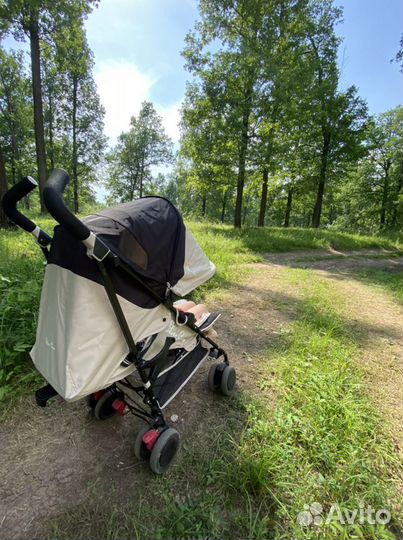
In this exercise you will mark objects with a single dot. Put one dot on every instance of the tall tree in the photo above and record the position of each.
(15, 113)
(138, 150)
(81, 106)
(386, 163)
(210, 155)
(15, 124)
(229, 77)
(37, 20)
(338, 119)
(3, 189)
(282, 82)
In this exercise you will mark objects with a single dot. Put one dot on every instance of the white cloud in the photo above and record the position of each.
(170, 119)
(122, 88)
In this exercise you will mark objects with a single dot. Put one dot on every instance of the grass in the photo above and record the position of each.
(253, 472)
(323, 442)
(21, 273)
(390, 282)
(274, 239)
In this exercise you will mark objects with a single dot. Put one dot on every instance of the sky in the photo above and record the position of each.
(137, 45)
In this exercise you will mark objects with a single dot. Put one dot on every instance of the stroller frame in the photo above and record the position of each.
(150, 410)
(135, 355)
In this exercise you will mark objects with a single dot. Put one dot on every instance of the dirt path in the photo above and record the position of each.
(334, 260)
(60, 458)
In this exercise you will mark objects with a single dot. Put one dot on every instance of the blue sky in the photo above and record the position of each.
(137, 46)
(371, 32)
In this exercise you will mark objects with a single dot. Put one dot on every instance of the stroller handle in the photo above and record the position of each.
(13, 196)
(53, 197)
(9, 203)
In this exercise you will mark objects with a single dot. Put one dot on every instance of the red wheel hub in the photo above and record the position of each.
(150, 438)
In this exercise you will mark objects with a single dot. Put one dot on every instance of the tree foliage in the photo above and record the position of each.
(264, 122)
(137, 153)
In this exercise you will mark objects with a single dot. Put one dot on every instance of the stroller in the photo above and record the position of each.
(127, 265)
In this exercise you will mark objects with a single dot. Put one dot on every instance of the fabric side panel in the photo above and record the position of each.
(79, 345)
(197, 267)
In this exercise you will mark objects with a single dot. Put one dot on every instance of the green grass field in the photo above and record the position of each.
(322, 442)
(275, 239)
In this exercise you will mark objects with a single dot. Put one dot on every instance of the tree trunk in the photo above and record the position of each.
(13, 159)
(74, 156)
(288, 207)
(385, 193)
(317, 211)
(242, 165)
(38, 106)
(396, 204)
(51, 147)
(141, 176)
(204, 202)
(224, 204)
(3, 189)
(263, 199)
(245, 213)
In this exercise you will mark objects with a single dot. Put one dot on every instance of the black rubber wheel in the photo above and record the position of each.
(103, 408)
(214, 378)
(228, 380)
(91, 401)
(164, 451)
(140, 449)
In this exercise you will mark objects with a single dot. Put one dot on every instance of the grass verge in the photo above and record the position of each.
(274, 239)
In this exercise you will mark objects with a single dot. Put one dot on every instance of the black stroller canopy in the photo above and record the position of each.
(148, 234)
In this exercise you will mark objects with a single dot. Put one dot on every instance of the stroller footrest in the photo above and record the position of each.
(173, 379)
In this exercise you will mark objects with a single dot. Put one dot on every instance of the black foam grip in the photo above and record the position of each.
(11, 198)
(53, 198)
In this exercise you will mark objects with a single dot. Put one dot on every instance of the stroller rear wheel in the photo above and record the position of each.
(164, 451)
(91, 401)
(103, 408)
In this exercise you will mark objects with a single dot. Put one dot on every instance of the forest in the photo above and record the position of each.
(268, 136)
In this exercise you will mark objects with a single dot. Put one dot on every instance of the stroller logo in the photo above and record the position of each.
(50, 344)
(313, 515)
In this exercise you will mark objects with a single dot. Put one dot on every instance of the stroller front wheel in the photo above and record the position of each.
(222, 377)
(140, 449)
(164, 451)
(228, 380)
